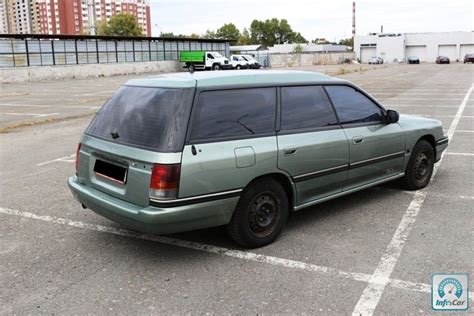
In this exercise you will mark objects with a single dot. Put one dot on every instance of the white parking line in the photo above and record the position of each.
(425, 99)
(459, 154)
(424, 115)
(381, 278)
(463, 131)
(426, 106)
(412, 92)
(70, 158)
(29, 114)
(242, 255)
(49, 106)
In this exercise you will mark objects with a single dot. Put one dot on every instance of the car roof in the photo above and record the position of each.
(232, 78)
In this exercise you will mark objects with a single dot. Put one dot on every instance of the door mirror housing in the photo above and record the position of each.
(392, 116)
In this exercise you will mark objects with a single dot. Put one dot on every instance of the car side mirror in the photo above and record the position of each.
(392, 116)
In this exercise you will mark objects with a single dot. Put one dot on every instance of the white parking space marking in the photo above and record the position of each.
(425, 99)
(424, 115)
(463, 131)
(426, 106)
(70, 158)
(459, 154)
(49, 106)
(29, 114)
(381, 278)
(242, 255)
(407, 93)
(94, 93)
(465, 197)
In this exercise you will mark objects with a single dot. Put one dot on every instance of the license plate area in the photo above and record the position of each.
(110, 171)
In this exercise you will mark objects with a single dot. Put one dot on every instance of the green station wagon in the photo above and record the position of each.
(180, 152)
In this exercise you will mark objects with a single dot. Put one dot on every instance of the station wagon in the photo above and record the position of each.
(180, 152)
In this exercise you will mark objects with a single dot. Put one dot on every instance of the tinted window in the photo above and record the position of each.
(152, 118)
(352, 106)
(305, 107)
(231, 113)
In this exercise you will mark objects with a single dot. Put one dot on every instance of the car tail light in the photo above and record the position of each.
(77, 157)
(164, 182)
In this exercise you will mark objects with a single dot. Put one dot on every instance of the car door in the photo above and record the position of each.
(231, 141)
(312, 147)
(377, 149)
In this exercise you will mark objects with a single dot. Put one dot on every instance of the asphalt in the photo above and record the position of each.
(56, 257)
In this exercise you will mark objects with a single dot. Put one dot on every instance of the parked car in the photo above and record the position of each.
(254, 64)
(180, 152)
(442, 60)
(413, 60)
(200, 60)
(238, 62)
(375, 60)
(469, 58)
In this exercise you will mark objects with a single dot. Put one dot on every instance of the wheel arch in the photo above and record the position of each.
(430, 139)
(285, 182)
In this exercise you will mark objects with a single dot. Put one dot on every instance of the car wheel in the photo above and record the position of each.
(238, 67)
(191, 68)
(216, 67)
(260, 215)
(420, 166)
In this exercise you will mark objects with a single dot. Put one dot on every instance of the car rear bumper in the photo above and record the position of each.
(150, 219)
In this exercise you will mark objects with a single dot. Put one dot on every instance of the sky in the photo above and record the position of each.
(330, 19)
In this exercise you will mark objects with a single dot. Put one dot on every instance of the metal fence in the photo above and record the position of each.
(17, 50)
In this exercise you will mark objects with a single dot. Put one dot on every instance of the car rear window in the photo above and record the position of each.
(145, 117)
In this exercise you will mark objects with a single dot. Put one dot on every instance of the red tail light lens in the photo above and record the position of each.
(164, 182)
(77, 157)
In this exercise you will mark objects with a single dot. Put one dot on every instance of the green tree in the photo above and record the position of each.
(244, 38)
(228, 31)
(298, 49)
(349, 42)
(298, 38)
(121, 24)
(274, 31)
(210, 34)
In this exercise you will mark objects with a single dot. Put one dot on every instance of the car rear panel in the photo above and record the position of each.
(98, 159)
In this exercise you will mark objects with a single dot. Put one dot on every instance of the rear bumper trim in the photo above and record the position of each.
(196, 199)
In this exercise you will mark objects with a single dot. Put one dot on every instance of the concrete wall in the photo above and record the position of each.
(309, 59)
(22, 74)
(390, 47)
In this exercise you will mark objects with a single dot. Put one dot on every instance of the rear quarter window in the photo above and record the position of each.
(145, 117)
(234, 113)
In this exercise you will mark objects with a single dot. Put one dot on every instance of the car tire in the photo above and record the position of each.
(420, 166)
(216, 67)
(260, 215)
(238, 67)
(191, 68)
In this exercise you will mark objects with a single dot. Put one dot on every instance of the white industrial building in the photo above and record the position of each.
(426, 46)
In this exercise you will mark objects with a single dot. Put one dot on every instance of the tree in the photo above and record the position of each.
(274, 31)
(349, 42)
(298, 38)
(228, 31)
(121, 24)
(244, 38)
(210, 34)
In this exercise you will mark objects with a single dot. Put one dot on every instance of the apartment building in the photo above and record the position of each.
(72, 17)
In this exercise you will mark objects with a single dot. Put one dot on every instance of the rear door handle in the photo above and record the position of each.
(357, 140)
(289, 150)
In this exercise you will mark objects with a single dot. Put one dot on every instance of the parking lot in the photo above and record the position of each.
(372, 251)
